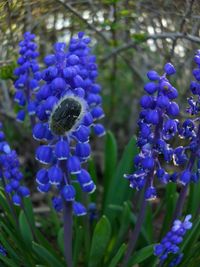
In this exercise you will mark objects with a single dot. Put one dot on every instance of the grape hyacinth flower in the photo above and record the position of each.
(69, 104)
(10, 173)
(28, 77)
(158, 125)
(170, 243)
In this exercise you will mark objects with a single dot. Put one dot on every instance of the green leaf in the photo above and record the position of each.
(78, 244)
(148, 223)
(193, 198)
(125, 220)
(23, 251)
(29, 210)
(170, 202)
(15, 235)
(192, 257)
(25, 229)
(7, 246)
(118, 182)
(8, 261)
(46, 256)
(110, 160)
(118, 256)
(3, 201)
(192, 237)
(92, 170)
(6, 71)
(100, 241)
(141, 255)
(139, 37)
(125, 12)
(6, 208)
(45, 243)
(60, 239)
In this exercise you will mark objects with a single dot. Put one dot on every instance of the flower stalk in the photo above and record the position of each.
(11, 206)
(68, 223)
(136, 232)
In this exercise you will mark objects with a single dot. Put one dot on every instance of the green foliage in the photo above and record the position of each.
(139, 37)
(110, 160)
(141, 255)
(103, 241)
(45, 256)
(125, 165)
(100, 241)
(6, 71)
(25, 229)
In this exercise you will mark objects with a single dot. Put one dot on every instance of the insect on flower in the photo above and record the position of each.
(67, 114)
(68, 106)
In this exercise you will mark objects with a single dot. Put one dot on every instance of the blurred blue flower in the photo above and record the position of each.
(3, 251)
(10, 173)
(92, 212)
(170, 243)
(28, 76)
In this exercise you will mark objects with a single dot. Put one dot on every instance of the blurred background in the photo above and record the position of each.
(128, 38)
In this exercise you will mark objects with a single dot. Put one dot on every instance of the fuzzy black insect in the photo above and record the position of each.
(65, 116)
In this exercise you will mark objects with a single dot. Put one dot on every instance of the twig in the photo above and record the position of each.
(76, 13)
(188, 13)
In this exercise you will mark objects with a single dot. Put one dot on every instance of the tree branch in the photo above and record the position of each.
(164, 35)
(78, 15)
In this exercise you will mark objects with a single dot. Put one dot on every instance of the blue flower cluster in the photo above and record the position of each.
(3, 251)
(158, 125)
(194, 102)
(190, 131)
(28, 76)
(170, 243)
(69, 104)
(10, 174)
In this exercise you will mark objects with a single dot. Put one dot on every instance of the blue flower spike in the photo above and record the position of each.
(158, 125)
(28, 77)
(68, 111)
